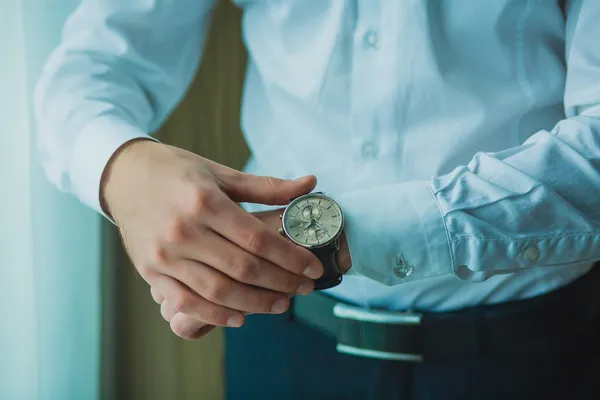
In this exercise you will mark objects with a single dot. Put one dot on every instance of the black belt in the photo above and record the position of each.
(554, 322)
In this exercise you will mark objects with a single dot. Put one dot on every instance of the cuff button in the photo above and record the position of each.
(531, 254)
(403, 269)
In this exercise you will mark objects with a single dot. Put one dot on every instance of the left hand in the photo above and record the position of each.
(196, 329)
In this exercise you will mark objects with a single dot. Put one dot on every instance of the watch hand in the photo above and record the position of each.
(321, 226)
(308, 225)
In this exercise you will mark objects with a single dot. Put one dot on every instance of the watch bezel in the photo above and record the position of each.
(333, 240)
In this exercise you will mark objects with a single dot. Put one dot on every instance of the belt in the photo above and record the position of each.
(556, 322)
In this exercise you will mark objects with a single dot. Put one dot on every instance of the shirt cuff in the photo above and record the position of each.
(94, 147)
(396, 233)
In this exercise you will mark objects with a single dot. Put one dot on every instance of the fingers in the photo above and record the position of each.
(189, 328)
(210, 208)
(242, 266)
(257, 238)
(167, 311)
(157, 297)
(242, 187)
(220, 290)
(182, 325)
(180, 299)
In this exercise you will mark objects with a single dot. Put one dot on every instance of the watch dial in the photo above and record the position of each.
(313, 220)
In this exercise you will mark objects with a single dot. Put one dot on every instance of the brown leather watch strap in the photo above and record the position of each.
(332, 275)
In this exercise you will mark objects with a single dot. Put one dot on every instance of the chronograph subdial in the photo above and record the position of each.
(311, 212)
(315, 232)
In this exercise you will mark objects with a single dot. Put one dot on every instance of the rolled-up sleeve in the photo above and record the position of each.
(535, 205)
(119, 70)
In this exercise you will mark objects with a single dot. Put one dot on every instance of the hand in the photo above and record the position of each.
(189, 327)
(202, 254)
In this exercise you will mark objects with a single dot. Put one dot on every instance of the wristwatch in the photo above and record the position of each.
(315, 221)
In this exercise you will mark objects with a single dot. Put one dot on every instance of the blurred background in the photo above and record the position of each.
(76, 322)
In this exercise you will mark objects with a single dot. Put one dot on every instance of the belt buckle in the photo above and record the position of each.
(347, 312)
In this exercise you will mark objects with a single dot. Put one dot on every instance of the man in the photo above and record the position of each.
(460, 139)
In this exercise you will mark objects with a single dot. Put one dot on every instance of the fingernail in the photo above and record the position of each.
(279, 306)
(235, 321)
(306, 287)
(312, 271)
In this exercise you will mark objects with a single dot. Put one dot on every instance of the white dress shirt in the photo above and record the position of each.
(461, 138)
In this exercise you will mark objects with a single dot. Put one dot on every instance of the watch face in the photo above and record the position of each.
(313, 220)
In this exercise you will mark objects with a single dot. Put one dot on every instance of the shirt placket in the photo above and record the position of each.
(372, 132)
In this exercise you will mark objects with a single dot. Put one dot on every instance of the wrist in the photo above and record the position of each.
(115, 172)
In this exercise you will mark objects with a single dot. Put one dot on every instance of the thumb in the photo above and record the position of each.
(267, 189)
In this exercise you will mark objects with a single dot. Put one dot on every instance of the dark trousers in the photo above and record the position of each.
(274, 357)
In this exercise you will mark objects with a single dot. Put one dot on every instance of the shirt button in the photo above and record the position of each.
(403, 269)
(532, 254)
(372, 39)
(369, 151)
